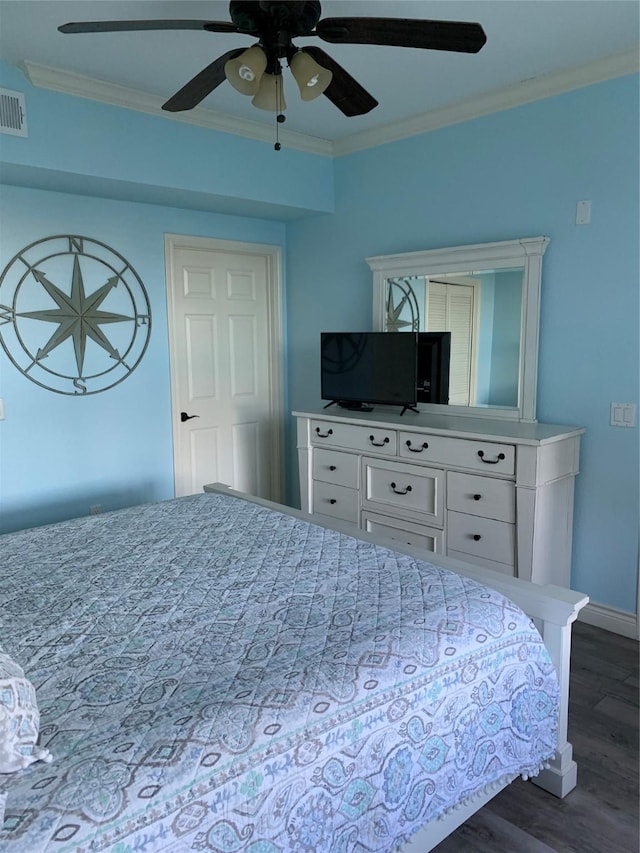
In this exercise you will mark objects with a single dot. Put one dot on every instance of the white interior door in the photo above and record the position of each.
(225, 330)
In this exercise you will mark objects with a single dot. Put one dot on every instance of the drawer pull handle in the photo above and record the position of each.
(476, 537)
(332, 467)
(417, 449)
(324, 434)
(399, 491)
(379, 444)
(477, 497)
(332, 500)
(490, 461)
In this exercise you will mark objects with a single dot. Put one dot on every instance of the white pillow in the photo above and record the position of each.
(19, 719)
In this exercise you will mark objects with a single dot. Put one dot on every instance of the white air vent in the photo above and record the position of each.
(13, 115)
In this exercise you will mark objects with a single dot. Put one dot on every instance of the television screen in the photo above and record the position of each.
(434, 356)
(369, 367)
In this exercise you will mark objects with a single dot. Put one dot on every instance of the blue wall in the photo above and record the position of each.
(127, 179)
(505, 344)
(92, 148)
(59, 454)
(512, 174)
(77, 173)
(485, 338)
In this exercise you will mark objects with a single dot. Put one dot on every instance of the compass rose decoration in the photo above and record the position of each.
(402, 310)
(74, 315)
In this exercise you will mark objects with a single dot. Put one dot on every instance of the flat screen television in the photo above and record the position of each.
(360, 368)
(434, 361)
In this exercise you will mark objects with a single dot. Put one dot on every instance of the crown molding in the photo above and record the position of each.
(81, 86)
(525, 92)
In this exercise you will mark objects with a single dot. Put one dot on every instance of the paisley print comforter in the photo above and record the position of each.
(216, 676)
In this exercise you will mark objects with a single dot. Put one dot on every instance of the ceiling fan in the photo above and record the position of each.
(257, 70)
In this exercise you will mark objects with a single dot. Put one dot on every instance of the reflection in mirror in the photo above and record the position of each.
(482, 310)
(488, 297)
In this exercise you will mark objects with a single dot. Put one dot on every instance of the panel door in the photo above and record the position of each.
(222, 387)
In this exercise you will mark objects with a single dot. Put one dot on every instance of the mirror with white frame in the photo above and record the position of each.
(488, 296)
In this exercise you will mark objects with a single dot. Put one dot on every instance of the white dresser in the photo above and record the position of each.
(495, 493)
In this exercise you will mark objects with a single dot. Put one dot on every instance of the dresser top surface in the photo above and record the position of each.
(462, 426)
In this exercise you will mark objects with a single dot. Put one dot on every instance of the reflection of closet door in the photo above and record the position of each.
(452, 308)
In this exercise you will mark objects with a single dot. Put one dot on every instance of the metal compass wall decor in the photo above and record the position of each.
(74, 315)
(402, 306)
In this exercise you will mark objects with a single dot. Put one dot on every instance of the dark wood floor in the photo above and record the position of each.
(601, 814)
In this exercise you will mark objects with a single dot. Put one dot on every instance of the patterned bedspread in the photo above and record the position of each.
(216, 676)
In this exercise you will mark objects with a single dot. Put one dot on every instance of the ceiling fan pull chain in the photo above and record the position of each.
(280, 117)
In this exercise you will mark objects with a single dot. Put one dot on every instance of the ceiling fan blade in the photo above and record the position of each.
(344, 92)
(403, 32)
(125, 26)
(201, 85)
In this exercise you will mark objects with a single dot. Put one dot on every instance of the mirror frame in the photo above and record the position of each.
(526, 252)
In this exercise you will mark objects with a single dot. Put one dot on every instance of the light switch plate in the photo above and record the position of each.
(623, 414)
(583, 212)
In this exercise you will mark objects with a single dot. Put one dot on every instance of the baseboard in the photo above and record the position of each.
(610, 619)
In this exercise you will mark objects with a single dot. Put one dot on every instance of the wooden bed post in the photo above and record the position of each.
(562, 775)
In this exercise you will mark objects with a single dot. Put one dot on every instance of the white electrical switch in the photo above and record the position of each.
(623, 414)
(583, 213)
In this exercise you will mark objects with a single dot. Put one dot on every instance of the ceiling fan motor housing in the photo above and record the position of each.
(295, 18)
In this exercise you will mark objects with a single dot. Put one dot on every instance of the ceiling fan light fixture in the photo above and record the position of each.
(312, 78)
(246, 71)
(270, 94)
(273, 24)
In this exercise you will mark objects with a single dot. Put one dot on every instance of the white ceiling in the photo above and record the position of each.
(525, 39)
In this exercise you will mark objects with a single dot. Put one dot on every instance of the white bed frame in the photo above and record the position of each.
(553, 609)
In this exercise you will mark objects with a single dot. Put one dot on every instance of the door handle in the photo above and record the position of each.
(185, 417)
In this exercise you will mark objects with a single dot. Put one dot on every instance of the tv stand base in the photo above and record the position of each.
(352, 407)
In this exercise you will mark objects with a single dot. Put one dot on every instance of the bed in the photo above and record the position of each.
(219, 673)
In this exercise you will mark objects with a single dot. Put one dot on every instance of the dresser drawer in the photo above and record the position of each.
(487, 456)
(416, 491)
(401, 530)
(504, 568)
(333, 466)
(361, 438)
(482, 537)
(336, 501)
(483, 496)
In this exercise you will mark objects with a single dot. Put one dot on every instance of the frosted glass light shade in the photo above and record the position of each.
(312, 79)
(245, 71)
(270, 94)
